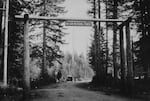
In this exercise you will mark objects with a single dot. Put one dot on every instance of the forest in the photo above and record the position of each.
(110, 57)
(104, 64)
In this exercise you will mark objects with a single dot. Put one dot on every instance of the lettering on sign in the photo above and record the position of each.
(78, 23)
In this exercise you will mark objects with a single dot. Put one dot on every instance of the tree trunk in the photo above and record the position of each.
(6, 43)
(1, 40)
(44, 69)
(95, 34)
(107, 51)
(99, 57)
(122, 56)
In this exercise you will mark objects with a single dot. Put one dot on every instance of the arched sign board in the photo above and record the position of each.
(78, 23)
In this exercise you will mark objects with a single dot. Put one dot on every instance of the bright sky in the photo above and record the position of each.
(79, 37)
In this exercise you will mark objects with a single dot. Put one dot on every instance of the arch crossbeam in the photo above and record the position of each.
(69, 19)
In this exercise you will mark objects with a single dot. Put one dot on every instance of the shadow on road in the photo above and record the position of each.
(113, 92)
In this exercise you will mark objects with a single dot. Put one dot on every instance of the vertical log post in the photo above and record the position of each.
(115, 42)
(129, 57)
(122, 56)
(26, 55)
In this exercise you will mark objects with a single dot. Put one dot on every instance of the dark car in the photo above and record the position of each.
(69, 78)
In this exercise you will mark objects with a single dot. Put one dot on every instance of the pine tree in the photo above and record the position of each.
(51, 32)
(15, 49)
(142, 47)
(97, 51)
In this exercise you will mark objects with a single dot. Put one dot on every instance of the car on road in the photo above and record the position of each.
(69, 78)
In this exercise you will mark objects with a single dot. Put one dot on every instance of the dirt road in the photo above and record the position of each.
(71, 92)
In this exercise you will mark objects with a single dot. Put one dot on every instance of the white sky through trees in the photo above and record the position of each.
(78, 38)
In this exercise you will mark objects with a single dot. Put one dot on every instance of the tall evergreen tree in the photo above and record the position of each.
(15, 41)
(51, 37)
(142, 48)
(53, 31)
(97, 51)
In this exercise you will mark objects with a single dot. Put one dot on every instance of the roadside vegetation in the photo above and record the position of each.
(105, 57)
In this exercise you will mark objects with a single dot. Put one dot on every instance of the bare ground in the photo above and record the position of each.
(73, 92)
